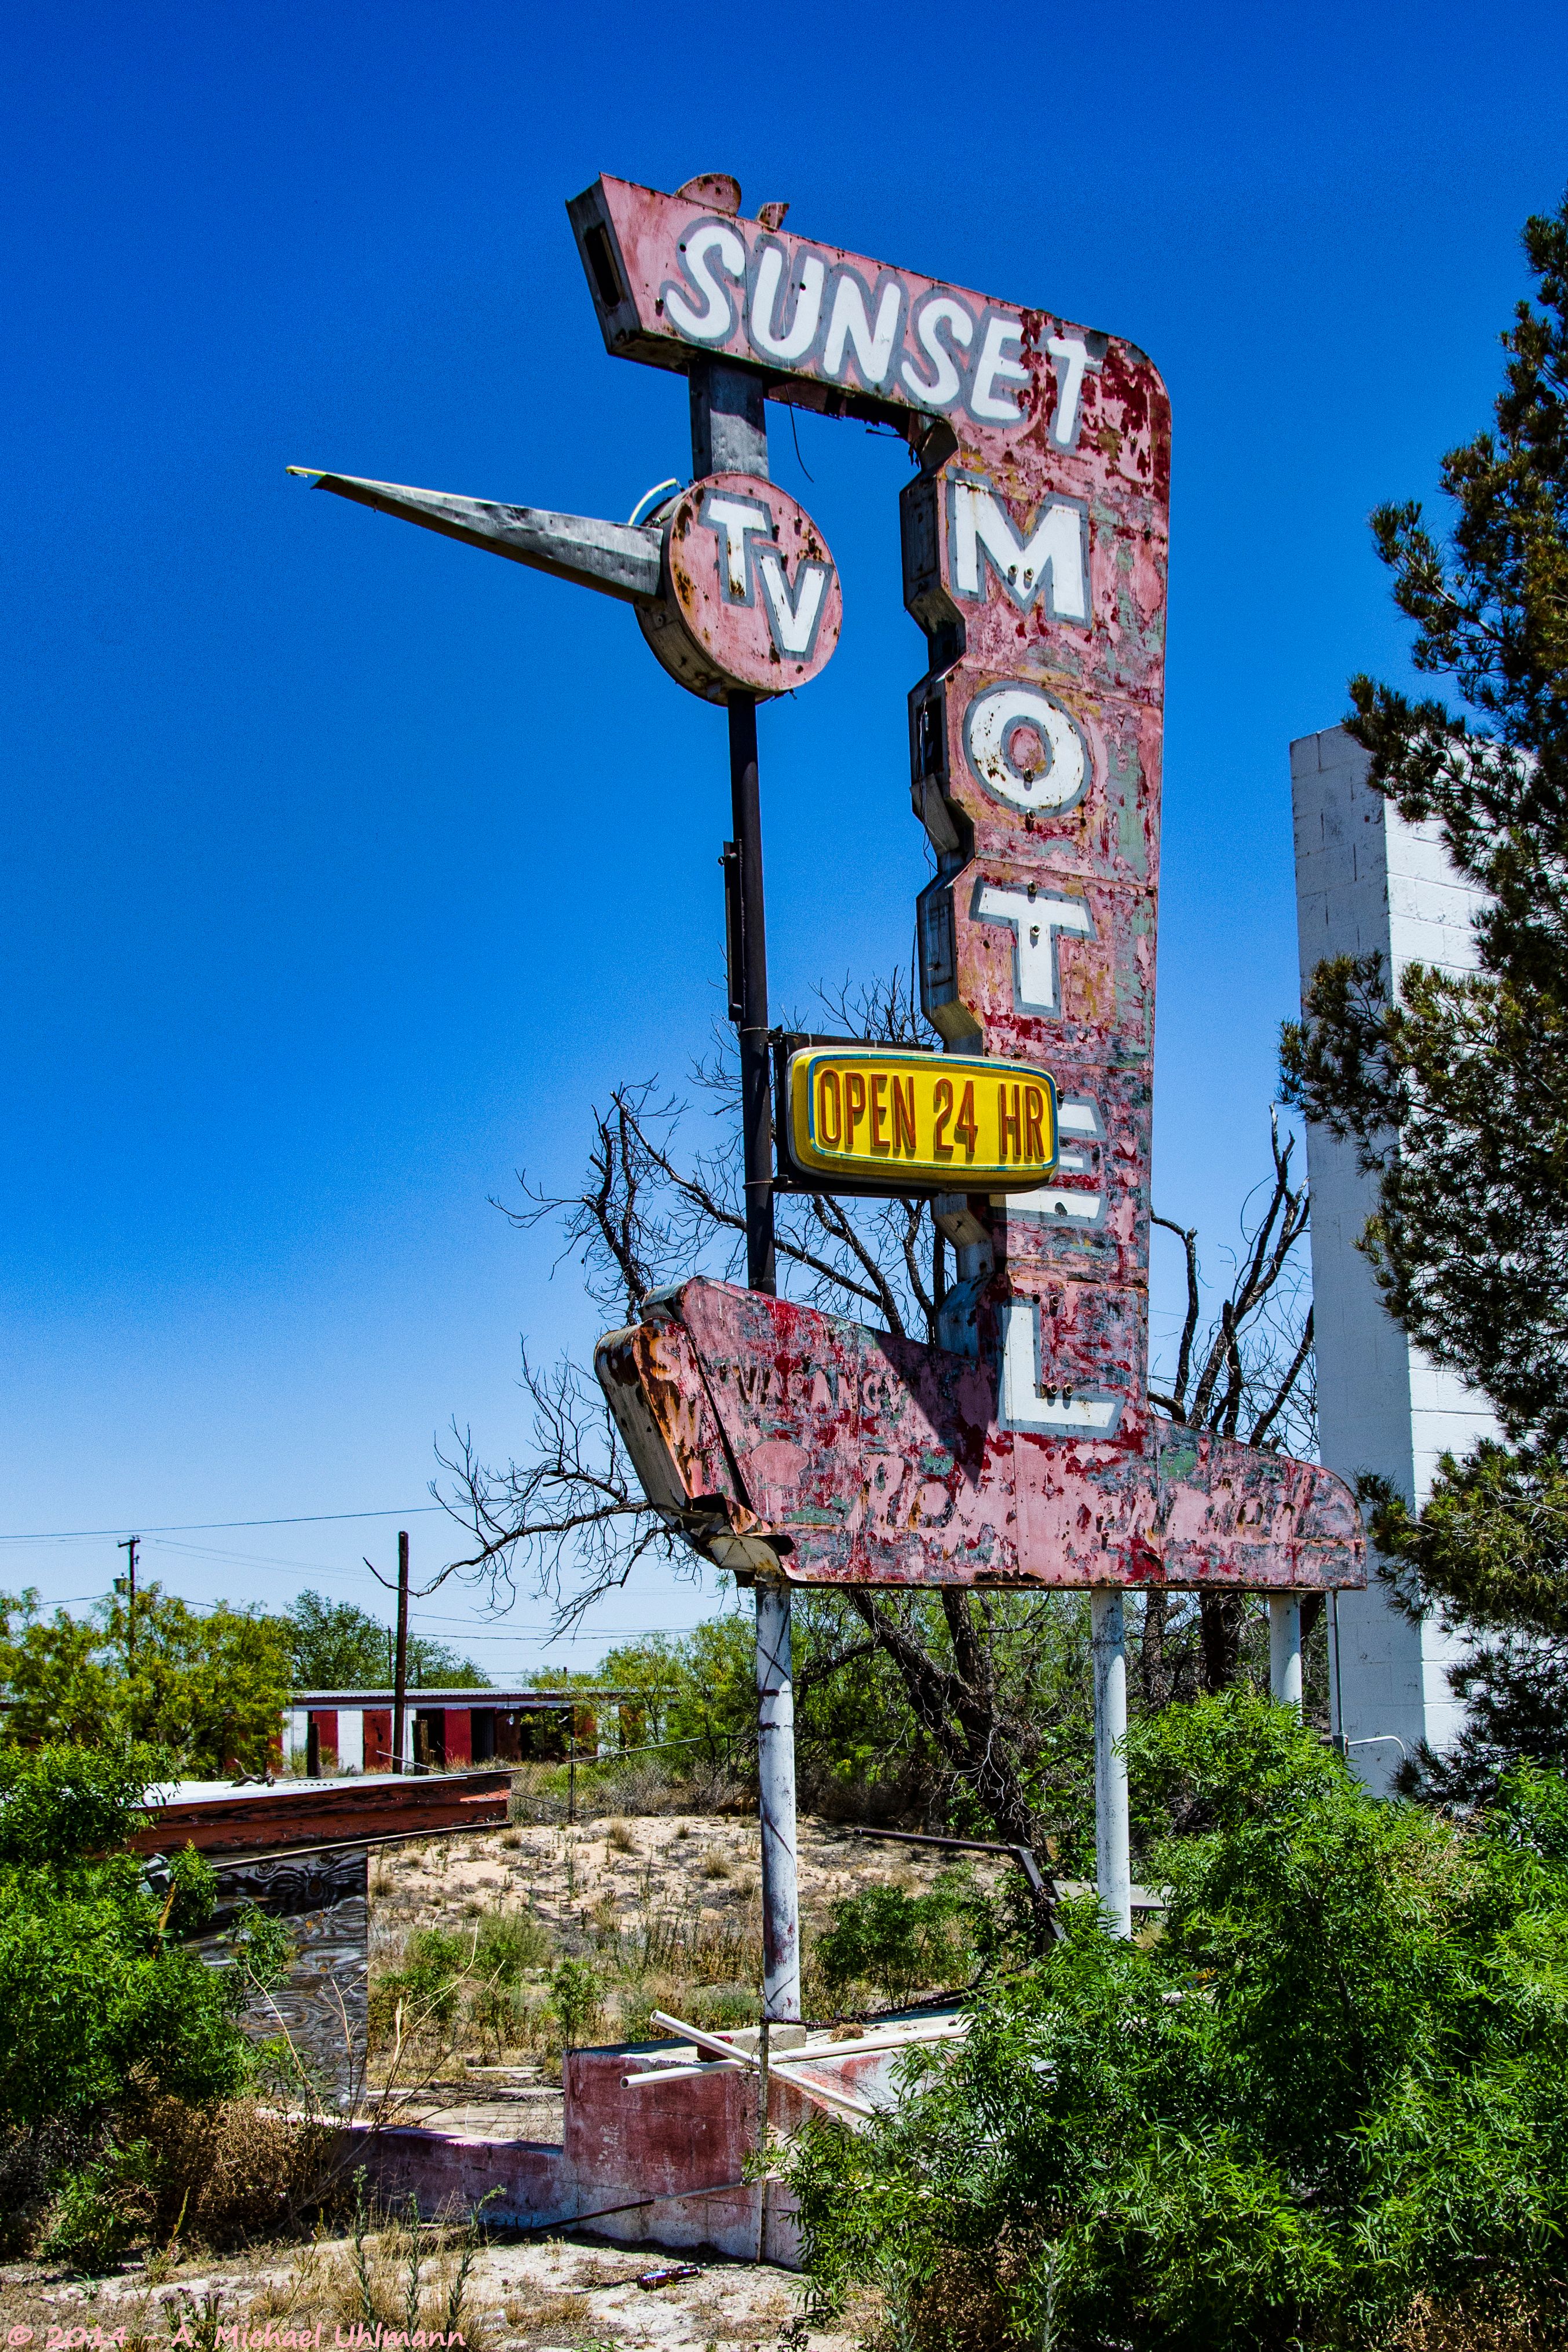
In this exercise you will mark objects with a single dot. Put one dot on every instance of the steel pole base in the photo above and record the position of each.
(775, 1805)
(1285, 1649)
(1113, 1845)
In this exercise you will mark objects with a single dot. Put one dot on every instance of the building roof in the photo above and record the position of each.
(482, 1696)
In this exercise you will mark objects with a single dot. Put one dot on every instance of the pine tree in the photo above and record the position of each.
(1455, 1087)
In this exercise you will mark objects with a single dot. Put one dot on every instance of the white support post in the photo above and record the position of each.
(1113, 1852)
(776, 1804)
(1285, 1649)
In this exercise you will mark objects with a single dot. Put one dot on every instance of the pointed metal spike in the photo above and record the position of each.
(618, 559)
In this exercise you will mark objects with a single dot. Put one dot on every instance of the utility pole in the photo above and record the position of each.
(400, 1664)
(130, 1545)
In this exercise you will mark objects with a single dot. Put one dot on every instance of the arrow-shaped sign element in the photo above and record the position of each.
(618, 559)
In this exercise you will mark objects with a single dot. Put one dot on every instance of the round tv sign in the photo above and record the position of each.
(750, 596)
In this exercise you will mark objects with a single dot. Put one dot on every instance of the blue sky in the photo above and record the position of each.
(345, 868)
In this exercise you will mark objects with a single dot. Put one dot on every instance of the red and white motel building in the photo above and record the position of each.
(333, 1732)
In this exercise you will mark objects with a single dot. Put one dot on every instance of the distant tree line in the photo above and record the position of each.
(206, 1688)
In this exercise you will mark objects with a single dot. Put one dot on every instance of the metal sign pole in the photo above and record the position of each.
(729, 435)
(756, 1110)
(1285, 1649)
(775, 1802)
(1113, 1845)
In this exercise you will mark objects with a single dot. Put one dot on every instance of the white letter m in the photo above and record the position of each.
(1053, 552)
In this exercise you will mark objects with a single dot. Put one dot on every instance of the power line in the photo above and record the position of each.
(471, 1633)
(212, 1527)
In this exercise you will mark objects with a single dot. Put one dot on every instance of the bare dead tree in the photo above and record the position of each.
(1251, 1371)
(567, 1518)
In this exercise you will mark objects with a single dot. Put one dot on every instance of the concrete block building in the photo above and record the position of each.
(1365, 880)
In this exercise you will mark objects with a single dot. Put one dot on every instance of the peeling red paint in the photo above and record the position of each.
(751, 597)
(1035, 540)
(867, 1459)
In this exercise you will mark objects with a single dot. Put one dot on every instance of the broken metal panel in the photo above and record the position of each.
(871, 1459)
(661, 1407)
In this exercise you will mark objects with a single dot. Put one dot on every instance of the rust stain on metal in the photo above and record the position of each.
(1035, 540)
(866, 1459)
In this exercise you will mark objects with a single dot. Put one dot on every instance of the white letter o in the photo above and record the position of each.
(991, 721)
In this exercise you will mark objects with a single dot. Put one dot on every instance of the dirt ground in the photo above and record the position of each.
(603, 1887)
(621, 1873)
(596, 1887)
(529, 2296)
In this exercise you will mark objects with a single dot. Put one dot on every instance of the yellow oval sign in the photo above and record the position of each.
(923, 1120)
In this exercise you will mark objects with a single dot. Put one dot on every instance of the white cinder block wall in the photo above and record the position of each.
(1365, 880)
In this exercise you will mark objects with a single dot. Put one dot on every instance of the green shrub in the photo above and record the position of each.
(715, 2008)
(430, 1982)
(1333, 2090)
(509, 1945)
(59, 1804)
(101, 2211)
(192, 1896)
(90, 1985)
(899, 1943)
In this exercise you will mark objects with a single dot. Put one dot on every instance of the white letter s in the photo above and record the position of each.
(714, 322)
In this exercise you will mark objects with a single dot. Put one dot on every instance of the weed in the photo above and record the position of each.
(236, 2171)
(619, 1835)
(101, 2211)
(510, 1944)
(714, 2008)
(197, 2319)
(576, 1990)
(553, 2311)
(401, 2273)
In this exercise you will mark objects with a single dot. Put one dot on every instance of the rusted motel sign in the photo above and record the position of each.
(795, 1447)
(1035, 539)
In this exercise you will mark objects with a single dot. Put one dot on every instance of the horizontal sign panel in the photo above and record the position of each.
(921, 1118)
(673, 279)
(781, 1440)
